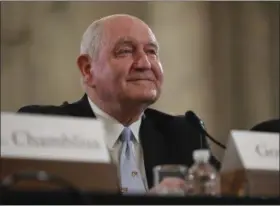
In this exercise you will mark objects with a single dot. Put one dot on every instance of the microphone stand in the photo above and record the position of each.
(199, 124)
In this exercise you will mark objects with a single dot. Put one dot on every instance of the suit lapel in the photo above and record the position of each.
(154, 148)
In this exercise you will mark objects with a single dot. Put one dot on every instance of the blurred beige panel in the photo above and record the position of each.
(220, 40)
(182, 31)
(257, 52)
(15, 43)
(43, 70)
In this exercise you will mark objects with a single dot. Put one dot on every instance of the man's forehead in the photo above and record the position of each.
(129, 30)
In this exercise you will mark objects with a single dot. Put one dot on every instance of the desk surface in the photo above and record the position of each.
(63, 197)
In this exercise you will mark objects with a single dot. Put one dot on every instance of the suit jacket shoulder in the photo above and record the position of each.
(182, 137)
(175, 124)
(43, 109)
(79, 108)
(272, 125)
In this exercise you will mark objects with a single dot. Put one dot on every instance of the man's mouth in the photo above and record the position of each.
(140, 79)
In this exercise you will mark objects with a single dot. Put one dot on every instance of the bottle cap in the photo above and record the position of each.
(201, 155)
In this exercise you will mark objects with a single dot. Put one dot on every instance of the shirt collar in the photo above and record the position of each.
(113, 128)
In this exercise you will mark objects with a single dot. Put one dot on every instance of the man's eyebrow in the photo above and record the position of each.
(123, 40)
(130, 41)
(153, 44)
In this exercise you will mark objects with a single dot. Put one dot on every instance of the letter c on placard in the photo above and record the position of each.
(263, 151)
(19, 138)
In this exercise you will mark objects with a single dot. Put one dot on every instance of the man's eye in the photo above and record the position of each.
(125, 51)
(151, 51)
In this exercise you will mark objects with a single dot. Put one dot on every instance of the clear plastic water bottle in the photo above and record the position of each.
(202, 177)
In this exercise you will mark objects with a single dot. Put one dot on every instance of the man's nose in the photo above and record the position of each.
(142, 62)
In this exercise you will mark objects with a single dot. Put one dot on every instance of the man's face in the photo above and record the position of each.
(128, 66)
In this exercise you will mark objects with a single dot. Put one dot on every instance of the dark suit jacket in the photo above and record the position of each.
(268, 126)
(165, 139)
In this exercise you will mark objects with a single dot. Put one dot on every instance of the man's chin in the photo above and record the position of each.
(142, 95)
(146, 98)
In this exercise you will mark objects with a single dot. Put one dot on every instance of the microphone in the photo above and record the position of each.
(194, 120)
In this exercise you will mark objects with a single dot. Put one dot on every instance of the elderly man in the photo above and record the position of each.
(122, 75)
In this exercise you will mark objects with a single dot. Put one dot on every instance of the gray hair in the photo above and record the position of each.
(91, 39)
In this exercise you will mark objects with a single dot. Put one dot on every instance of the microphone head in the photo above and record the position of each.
(193, 119)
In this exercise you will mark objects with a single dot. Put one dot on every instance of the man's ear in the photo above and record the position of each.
(84, 64)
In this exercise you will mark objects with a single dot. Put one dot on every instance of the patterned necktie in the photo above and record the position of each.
(131, 179)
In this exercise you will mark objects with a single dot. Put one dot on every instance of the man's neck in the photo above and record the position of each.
(124, 114)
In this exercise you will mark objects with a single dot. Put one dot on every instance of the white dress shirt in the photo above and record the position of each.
(113, 130)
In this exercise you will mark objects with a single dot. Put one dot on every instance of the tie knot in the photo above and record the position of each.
(126, 134)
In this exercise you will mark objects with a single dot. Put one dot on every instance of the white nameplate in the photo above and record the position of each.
(252, 151)
(52, 138)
